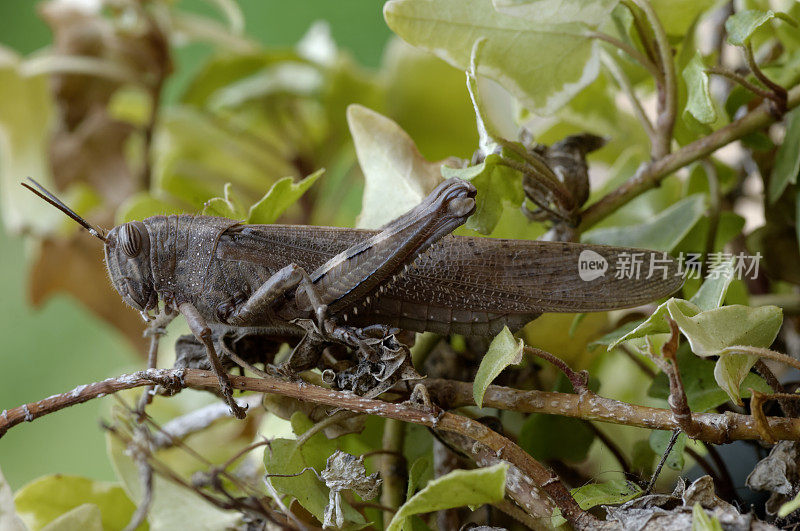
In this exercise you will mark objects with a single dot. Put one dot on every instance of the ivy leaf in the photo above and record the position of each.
(741, 26)
(565, 60)
(711, 332)
(614, 492)
(47, 498)
(228, 206)
(397, 177)
(656, 323)
(417, 474)
(455, 489)
(661, 233)
(499, 188)
(545, 12)
(699, 384)
(787, 160)
(283, 456)
(281, 196)
(699, 103)
(504, 350)
(712, 293)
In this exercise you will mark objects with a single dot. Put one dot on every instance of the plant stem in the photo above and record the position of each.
(392, 465)
(778, 90)
(667, 89)
(623, 82)
(628, 49)
(741, 80)
(654, 172)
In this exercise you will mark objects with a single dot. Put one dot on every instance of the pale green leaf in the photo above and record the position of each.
(455, 489)
(9, 520)
(26, 113)
(711, 332)
(741, 26)
(661, 233)
(396, 174)
(45, 499)
(84, 517)
(787, 160)
(712, 293)
(499, 187)
(613, 492)
(593, 13)
(417, 474)
(699, 103)
(701, 521)
(699, 383)
(656, 323)
(281, 196)
(228, 206)
(504, 350)
(563, 60)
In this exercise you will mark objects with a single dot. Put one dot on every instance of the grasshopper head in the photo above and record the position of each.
(128, 262)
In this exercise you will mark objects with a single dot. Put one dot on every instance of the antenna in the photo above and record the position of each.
(42, 192)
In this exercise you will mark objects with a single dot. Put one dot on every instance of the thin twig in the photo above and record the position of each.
(628, 49)
(641, 29)
(661, 462)
(393, 465)
(778, 90)
(654, 172)
(577, 379)
(743, 81)
(677, 395)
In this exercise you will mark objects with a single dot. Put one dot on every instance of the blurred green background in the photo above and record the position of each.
(59, 346)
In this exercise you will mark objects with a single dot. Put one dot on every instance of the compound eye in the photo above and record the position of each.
(130, 238)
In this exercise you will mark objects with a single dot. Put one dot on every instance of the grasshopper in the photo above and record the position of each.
(244, 288)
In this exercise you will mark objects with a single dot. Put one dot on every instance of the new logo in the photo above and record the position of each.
(591, 265)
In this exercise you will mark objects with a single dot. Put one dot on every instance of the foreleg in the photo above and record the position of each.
(200, 329)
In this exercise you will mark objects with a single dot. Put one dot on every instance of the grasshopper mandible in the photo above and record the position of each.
(325, 285)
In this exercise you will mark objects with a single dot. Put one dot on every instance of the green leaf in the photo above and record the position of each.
(699, 103)
(613, 492)
(283, 456)
(565, 61)
(45, 499)
(787, 160)
(661, 233)
(711, 332)
(26, 113)
(228, 206)
(455, 489)
(712, 293)
(504, 350)
(741, 26)
(699, 384)
(701, 521)
(9, 519)
(281, 196)
(84, 517)
(499, 187)
(396, 174)
(677, 16)
(659, 439)
(549, 12)
(418, 474)
(656, 323)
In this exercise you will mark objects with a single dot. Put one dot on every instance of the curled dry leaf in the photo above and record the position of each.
(346, 472)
